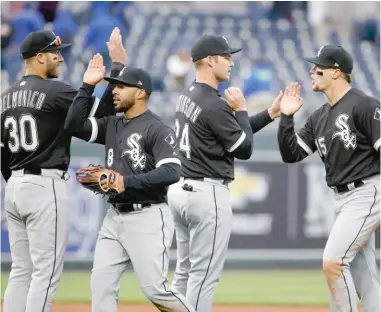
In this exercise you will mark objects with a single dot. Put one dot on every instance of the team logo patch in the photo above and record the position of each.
(344, 133)
(171, 140)
(377, 114)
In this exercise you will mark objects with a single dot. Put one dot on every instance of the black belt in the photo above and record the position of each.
(224, 181)
(125, 208)
(37, 171)
(347, 187)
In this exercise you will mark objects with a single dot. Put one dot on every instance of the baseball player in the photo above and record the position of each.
(209, 136)
(346, 133)
(35, 157)
(138, 228)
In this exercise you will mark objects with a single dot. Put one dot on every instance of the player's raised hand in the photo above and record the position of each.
(95, 70)
(291, 101)
(235, 99)
(274, 109)
(115, 47)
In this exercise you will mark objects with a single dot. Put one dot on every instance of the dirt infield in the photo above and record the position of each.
(228, 308)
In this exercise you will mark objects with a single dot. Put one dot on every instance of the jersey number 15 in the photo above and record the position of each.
(184, 139)
(321, 147)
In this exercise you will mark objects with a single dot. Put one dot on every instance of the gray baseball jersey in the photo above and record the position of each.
(347, 138)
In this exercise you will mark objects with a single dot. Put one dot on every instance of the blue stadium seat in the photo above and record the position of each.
(156, 32)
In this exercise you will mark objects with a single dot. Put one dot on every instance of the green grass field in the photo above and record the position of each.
(236, 287)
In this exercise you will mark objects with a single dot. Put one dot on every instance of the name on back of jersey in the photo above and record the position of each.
(22, 98)
(188, 107)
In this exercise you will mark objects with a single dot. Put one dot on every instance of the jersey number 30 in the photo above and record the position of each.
(184, 139)
(22, 133)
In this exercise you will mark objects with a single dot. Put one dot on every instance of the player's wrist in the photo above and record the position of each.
(89, 83)
(272, 113)
(118, 60)
(286, 117)
(120, 184)
(88, 86)
(240, 109)
(117, 64)
(285, 113)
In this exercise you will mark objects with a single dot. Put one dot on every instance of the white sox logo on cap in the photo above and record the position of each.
(121, 72)
(321, 48)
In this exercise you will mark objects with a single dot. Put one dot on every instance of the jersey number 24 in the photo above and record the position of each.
(184, 138)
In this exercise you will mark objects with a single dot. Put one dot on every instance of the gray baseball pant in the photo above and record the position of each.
(142, 238)
(203, 221)
(349, 259)
(37, 212)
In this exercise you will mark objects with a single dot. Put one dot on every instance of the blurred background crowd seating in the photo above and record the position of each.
(275, 35)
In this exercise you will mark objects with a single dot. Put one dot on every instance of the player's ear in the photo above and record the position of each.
(141, 94)
(210, 61)
(41, 58)
(336, 73)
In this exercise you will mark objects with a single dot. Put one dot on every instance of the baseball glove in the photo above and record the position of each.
(91, 176)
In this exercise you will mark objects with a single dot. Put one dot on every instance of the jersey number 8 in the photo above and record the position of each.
(110, 157)
(22, 133)
(184, 139)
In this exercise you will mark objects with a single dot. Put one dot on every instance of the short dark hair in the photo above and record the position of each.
(199, 62)
(347, 77)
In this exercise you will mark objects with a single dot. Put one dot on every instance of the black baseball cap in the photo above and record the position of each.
(135, 77)
(41, 41)
(334, 57)
(211, 45)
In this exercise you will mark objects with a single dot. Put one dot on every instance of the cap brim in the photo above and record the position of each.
(316, 61)
(54, 48)
(116, 81)
(122, 82)
(232, 51)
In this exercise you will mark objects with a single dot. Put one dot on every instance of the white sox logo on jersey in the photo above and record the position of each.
(134, 153)
(345, 132)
